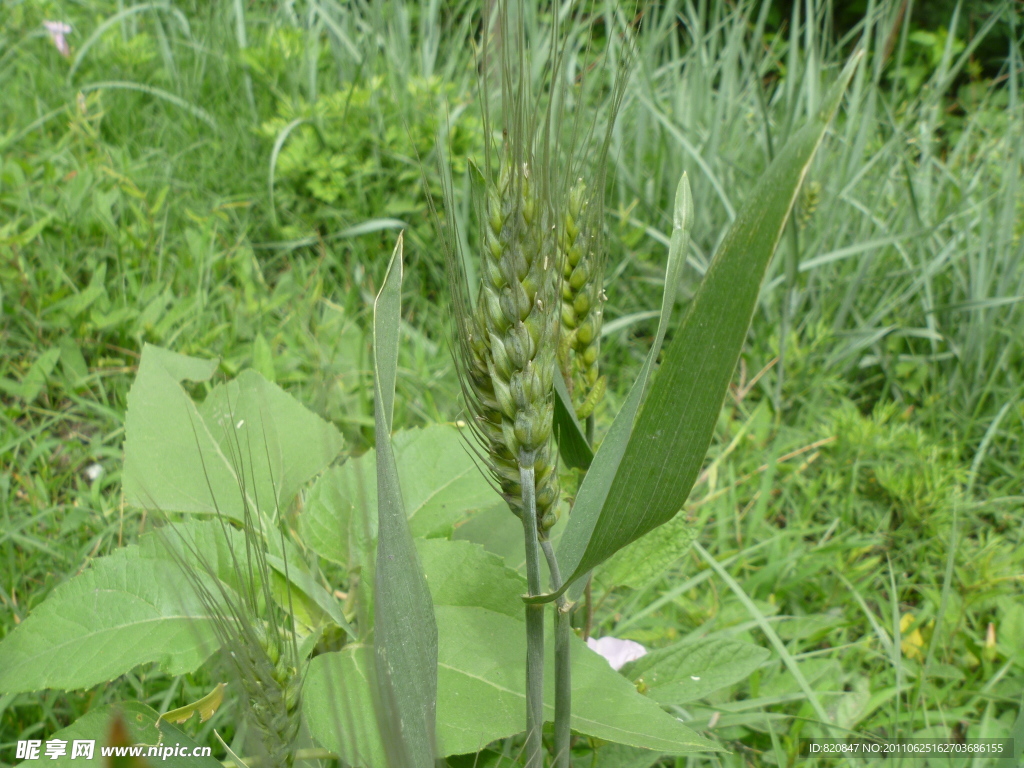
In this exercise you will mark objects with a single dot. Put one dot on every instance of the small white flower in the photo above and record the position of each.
(617, 652)
(58, 31)
(93, 472)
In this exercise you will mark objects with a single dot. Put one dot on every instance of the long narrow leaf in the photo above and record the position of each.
(405, 632)
(667, 446)
(594, 489)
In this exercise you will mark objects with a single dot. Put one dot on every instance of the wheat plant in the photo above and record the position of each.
(536, 321)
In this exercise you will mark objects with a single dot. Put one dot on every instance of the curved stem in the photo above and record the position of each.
(563, 664)
(534, 627)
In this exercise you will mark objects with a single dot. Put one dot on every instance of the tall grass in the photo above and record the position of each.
(912, 257)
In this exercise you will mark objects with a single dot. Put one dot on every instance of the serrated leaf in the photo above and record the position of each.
(481, 662)
(481, 674)
(668, 442)
(133, 607)
(405, 634)
(690, 670)
(465, 574)
(129, 608)
(248, 434)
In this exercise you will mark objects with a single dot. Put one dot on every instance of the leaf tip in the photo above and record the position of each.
(683, 214)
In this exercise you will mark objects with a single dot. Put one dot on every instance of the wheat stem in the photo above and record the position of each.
(563, 663)
(534, 628)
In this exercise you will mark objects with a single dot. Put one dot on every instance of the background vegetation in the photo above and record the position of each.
(227, 179)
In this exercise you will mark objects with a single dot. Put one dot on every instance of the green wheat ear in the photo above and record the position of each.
(508, 343)
(582, 300)
(255, 636)
(254, 632)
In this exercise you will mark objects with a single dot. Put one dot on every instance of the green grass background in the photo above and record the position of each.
(227, 179)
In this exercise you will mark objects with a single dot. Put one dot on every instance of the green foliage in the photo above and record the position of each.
(356, 154)
(142, 726)
(481, 694)
(926, 51)
(899, 466)
(130, 608)
(690, 670)
(136, 605)
(667, 444)
(248, 423)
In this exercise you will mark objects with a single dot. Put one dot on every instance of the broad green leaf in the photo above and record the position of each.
(498, 531)
(126, 609)
(621, 756)
(667, 444)
(405, 634)
(141, 724)
(596, 484)
(462, 573)
(690, 670)
(338, 706)
(304, 582)
(481, 656)
(638, 564)
(278, 443)
(248, 443)
(132, 607)
(441, 486)
(481, 673)
(339, 513)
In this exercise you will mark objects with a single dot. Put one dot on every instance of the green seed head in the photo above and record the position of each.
(582, 298)
(510, 340)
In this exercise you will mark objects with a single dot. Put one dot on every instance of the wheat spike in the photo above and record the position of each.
(582, 301)
(511, 338)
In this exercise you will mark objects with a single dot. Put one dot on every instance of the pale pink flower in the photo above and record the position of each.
(617, 652)
(58, 30)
